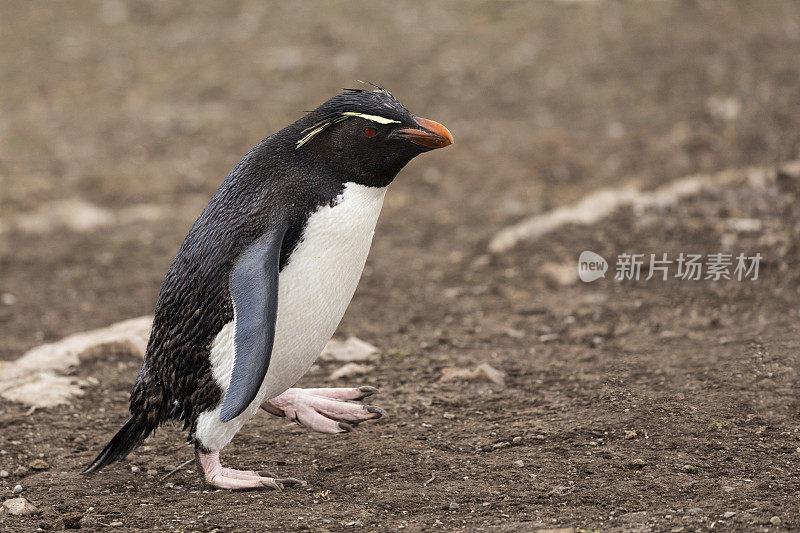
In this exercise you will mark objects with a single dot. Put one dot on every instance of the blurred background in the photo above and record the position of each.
(118, 121)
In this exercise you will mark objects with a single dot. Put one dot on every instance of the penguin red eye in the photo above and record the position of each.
(370, 132)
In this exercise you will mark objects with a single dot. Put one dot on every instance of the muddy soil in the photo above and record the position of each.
(627, 406)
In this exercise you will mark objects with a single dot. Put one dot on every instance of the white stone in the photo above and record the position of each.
(348, 351)
(18, 506)
(35, 378)
(602, 203)
(350, 369)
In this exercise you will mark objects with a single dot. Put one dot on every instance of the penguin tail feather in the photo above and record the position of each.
(124, 442)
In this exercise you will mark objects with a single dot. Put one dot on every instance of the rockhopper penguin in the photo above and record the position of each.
(264, 277)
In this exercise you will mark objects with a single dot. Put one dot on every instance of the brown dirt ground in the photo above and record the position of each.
(154, 104)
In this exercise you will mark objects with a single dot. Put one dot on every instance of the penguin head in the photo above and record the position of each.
(366, 136)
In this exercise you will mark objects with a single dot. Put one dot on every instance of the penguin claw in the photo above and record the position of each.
(376, 410)
(284, 480)
(368, 391)
(291, 481)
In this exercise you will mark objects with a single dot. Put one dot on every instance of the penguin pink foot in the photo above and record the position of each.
(228, 478)
(331, 410)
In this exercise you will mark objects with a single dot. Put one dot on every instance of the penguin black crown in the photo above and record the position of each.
(263, 278)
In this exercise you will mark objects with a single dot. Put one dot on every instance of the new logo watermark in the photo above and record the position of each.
(591, 266)
(686, 267)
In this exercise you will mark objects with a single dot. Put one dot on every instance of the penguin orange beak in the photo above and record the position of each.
(430, 134)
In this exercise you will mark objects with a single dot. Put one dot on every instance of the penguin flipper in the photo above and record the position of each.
(253, 285)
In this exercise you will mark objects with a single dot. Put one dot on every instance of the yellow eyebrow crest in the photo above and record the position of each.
(319, 126)
(373, 118)
(310, 135)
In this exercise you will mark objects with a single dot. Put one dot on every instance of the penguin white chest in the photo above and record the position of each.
(314, 289)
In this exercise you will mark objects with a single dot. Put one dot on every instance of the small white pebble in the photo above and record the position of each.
(519, 462)
(115, 524)
(17, 489)
(775, 520)
(134, 469)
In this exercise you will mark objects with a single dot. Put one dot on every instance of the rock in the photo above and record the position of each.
(514, 333)
(115, 524)
(4, 473)
(775, 520)
(34, 378)
(602, 203)
(87, 522)
(690, 469)
(80, 216)
(72, 520)
(482, 372)
(21, 471)
(76, 215)
(449, 416)
(452, 292)
(135, 469)
(350, 369)
(723, 107)
(18, 506)
(17, 489)
(728, 514)
(354, 523)
(519, 462)
(351, 350)
(744, 225)
(637, 464)
(481, 261)
(630, 434)
(517, 439)
(44, 389)
(39, 464)
(695, 510)
(561, 274)
(454, 506)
